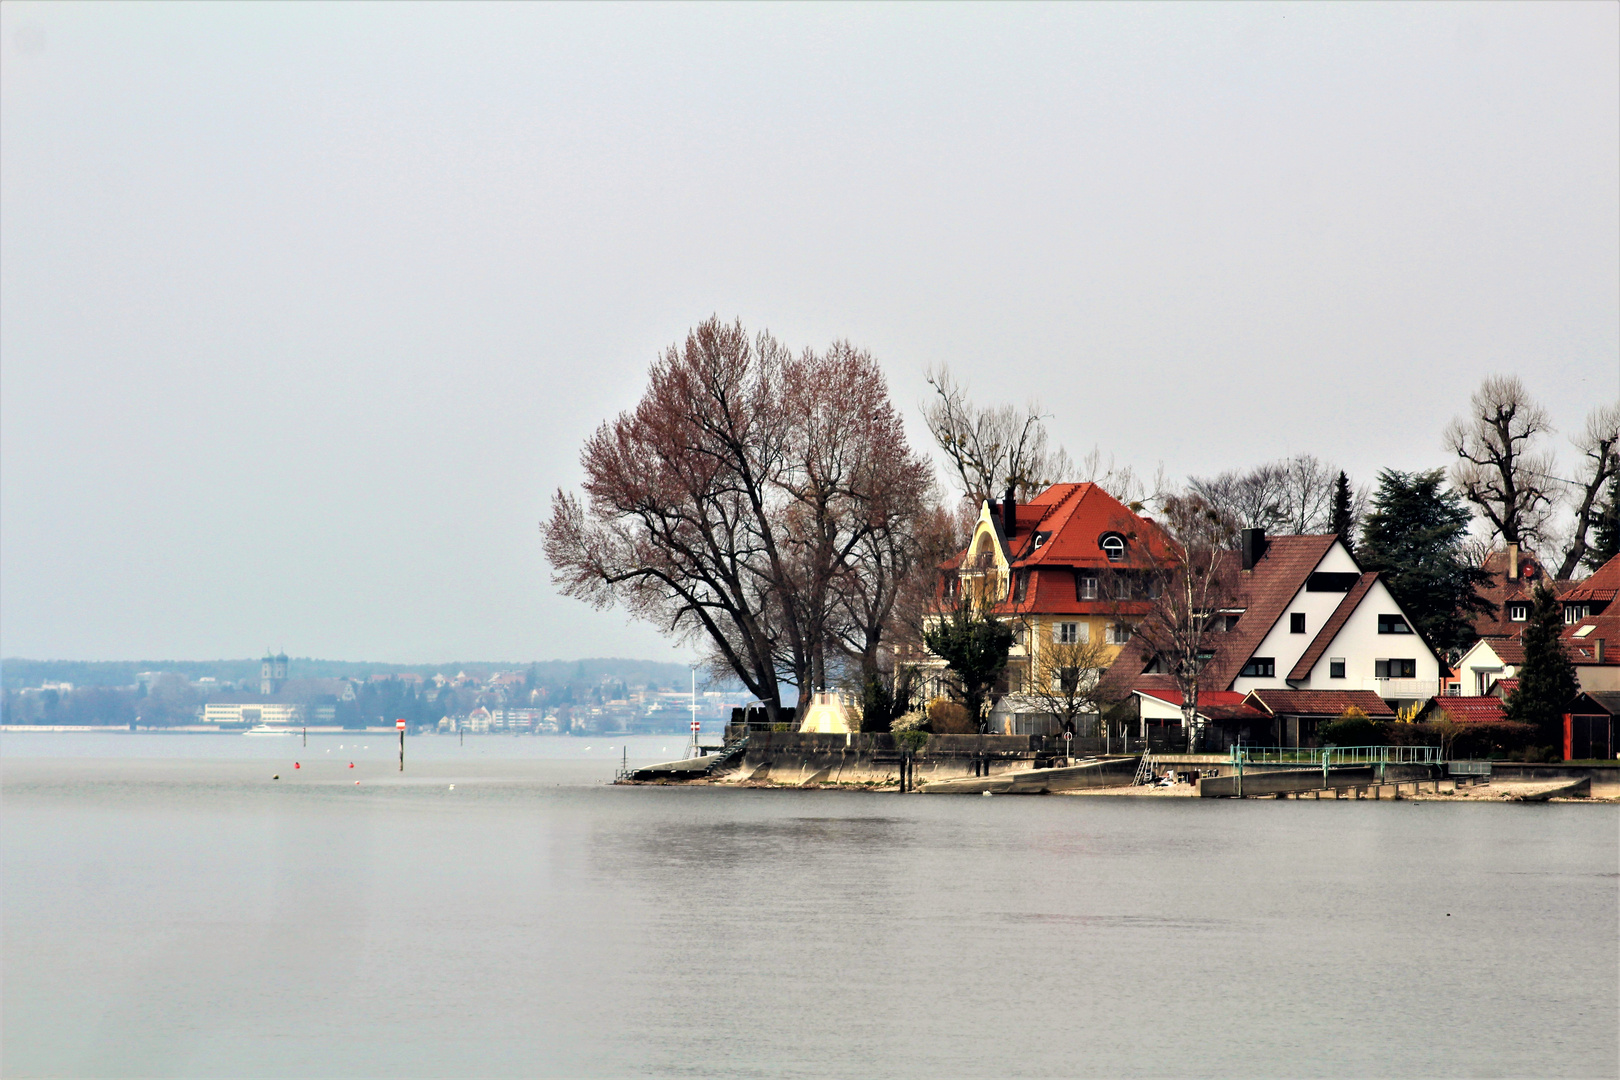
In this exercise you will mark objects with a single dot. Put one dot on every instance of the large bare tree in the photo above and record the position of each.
(1597, 444)
(1065, 676)
(1294, 495)
(992, 448)
(747, 502)
(1502, 467)
(1186, 588)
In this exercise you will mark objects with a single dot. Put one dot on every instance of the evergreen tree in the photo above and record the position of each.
(974, 644)
(1605, 543)
(1415, 536)
(1547, 678)
(1344, 521)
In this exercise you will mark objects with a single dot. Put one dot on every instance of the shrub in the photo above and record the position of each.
(916, 720)
(1352, 728)
(947, 717)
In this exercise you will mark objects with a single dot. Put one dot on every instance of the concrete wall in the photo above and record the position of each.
(794, 758)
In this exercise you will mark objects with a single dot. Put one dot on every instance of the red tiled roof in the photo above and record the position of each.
(1601, 587)
(1214, 704)
(1583, 650)
(1501, 591)
(1330, 629)
(1318, 702)
(1472, 710)
(1509, 649)
(1503, 687)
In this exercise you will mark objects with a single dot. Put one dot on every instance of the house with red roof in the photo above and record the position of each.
(1592, 629)
(1308, 620)
(1059, 568)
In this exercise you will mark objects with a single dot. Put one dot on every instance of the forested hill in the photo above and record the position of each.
(17, 673)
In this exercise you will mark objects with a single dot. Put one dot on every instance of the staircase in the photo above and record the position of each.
(725, 758)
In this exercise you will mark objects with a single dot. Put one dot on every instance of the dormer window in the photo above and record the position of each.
(1041, 538)
(1085, 587)
(1574, 613)
(1113, 546)
(1518, 612)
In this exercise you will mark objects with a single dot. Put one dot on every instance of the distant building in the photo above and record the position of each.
(272, 673)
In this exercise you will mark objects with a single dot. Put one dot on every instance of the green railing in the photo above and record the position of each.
(1329, 756)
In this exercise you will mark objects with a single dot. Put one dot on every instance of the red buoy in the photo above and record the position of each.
(351, 764)
(296, 765)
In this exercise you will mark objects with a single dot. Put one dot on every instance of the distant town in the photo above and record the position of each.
(590, 697)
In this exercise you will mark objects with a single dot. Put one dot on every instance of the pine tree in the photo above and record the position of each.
(1605, 543)
(1546, 678)
(1415, 536)
(1344, 521)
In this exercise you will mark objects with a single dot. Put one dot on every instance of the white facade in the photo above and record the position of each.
(1480, 666)
(268, 712)
(1357, 648)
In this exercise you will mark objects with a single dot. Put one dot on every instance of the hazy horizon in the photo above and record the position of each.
(307, 309)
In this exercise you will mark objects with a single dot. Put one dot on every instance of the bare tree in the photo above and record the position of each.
(738, 504)
(1186, 588)
(1599, 462)
(993, 448)
(1307, 495)
(1256, 499)
(1122, 481)
(1502, 469)
(1065, 676)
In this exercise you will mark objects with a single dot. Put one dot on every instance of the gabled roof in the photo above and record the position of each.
(1265, 593)
(1501, 688)
(1600, 588)
(1501, 591)
(1589, 702)
(1472, 710)
(1330, 629)
(1212, 704)
(1318, 702)
(1075, 517)
(1510, 650)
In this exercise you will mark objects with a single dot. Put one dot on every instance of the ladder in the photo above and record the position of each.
(1144, 770)
(725, 757)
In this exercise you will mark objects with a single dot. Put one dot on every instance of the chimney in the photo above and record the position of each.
(1513, 562)
(1254, 546)
(1597, 651)
(1009, 513)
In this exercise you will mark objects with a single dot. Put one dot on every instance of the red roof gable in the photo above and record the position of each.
(1601, 587)
(1214, 704)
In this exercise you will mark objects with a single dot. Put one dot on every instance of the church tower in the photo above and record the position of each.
(272, 673)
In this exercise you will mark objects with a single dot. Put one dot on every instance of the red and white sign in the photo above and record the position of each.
(399, 725)
(695, 727)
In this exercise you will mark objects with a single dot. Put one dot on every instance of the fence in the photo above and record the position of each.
(1329, 756)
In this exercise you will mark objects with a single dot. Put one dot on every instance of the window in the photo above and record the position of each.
(1394, 669)
(1336, 667)
(1071, 633)
(1020, 586)
(1260, 667)
(1018, 633)
(1518, 612)
(1113, 546)
(1296, 623)
(1085, 587)
(1066, 680)
(1323, 581)
(1393, 624)
(1041, 538)
(1574, 613)
(1118, 633)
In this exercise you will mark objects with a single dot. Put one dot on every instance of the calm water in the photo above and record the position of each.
(170, 910)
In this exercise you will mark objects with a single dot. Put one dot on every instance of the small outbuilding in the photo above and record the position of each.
(1589, 726)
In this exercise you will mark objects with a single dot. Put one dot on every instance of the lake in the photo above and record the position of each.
(170, 910)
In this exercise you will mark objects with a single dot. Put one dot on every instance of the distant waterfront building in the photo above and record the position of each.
(251, 709)
(272, 673)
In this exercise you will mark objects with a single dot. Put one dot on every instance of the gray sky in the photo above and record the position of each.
(305, 310)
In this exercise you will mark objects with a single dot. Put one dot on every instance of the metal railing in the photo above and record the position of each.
(1329, 756)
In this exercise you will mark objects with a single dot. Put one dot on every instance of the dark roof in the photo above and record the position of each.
(1598, 701)
(1318, 702)
(1330, 629)
(1472, 710)
(1265, 593)
(1501, 591)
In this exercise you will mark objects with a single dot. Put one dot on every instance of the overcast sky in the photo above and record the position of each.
(306, 310)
